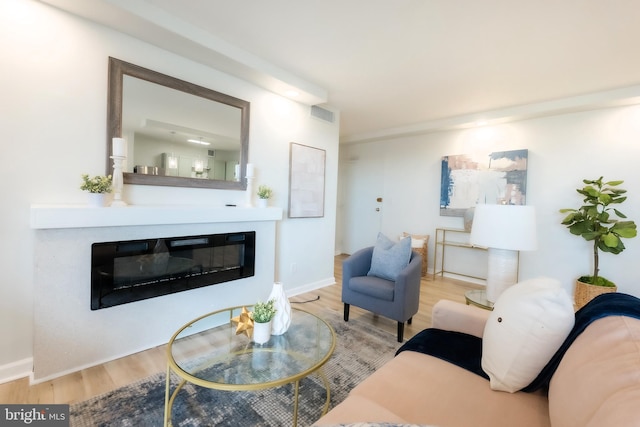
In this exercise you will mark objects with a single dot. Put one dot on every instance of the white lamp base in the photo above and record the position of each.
(502, 272)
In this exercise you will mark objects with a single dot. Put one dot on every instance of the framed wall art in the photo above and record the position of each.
(306, 181)
(497, 178)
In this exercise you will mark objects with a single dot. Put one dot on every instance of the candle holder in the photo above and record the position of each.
(249, 193)
(118, 181)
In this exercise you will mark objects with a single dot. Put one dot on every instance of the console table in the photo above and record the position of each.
(451, 237)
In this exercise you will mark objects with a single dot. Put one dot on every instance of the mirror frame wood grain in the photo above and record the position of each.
(117, 70)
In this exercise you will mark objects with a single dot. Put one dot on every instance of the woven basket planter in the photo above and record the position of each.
(585, 292)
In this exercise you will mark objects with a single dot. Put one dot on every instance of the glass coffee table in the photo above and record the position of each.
(207, 352)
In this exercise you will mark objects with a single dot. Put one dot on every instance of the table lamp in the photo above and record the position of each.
(504, 230)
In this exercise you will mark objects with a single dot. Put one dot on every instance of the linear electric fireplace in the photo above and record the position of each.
(127, 271)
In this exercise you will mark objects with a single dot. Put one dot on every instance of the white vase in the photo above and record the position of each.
(282, 319)
(261, 332)
(263, 203)
(97, 200)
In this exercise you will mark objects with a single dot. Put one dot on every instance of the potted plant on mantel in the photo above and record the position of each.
(98, 187)
(262, 315)
(264, 193)
(596, 221)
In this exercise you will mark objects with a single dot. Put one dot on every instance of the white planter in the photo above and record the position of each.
(282, 319)
(98, 200)
(261, 332)
(263, 203)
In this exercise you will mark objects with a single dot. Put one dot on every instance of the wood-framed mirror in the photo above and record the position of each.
(178, 134)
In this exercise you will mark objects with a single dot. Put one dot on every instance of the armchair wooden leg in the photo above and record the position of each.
(346, 312)
(410, 319)
(400, 331)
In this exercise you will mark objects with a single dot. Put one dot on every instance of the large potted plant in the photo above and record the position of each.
(597, 221)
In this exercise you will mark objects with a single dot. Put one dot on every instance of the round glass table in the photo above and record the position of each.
(207, 352)
(478, 298)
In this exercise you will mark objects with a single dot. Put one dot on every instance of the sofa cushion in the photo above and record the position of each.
(389, 258)
(597, 383)
(529, 323)
(416, 388)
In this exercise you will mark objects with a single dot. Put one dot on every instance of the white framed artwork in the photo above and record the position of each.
(306, 181)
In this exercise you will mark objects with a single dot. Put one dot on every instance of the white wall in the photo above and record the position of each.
(563, 150)
(53, 121)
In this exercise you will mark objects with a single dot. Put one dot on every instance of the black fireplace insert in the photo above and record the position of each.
(127, 271)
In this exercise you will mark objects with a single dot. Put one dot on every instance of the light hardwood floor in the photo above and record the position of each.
(100, 379)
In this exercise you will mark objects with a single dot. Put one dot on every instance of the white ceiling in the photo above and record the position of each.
(395, 63)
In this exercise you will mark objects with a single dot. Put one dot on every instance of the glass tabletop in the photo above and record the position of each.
(208, 352)
(479, 299)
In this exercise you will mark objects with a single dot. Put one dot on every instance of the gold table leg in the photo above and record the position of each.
(167, 409)
(325, 409)
(296, 389)
(169, 398)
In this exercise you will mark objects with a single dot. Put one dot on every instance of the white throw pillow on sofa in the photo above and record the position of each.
(529, 323)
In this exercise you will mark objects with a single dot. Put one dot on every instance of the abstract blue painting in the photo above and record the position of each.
(498, 178)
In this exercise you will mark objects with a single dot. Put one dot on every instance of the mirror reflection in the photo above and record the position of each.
(178, 133)
(172, 133)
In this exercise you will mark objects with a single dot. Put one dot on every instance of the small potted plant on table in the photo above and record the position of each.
(262, 315)
(596, 221)
(98, 187)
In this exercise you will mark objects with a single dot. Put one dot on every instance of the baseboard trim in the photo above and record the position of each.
(308, 287)
(16, 370)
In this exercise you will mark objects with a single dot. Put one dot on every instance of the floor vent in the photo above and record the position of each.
(322, 114)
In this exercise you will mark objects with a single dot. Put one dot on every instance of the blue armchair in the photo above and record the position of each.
(397, 300)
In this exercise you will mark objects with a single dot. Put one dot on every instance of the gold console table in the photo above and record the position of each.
(442, 242)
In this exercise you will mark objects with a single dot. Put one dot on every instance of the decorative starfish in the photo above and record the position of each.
(244, 321)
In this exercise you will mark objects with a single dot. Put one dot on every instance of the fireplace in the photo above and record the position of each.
(133, 270)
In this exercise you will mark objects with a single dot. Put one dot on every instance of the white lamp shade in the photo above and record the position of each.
(504, 227)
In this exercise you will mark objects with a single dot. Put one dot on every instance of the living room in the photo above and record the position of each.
(55, 86)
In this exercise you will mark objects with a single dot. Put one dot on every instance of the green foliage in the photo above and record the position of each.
(264, 311)
(596, 221)
(264, 192)
(598, 281)
(97, 184)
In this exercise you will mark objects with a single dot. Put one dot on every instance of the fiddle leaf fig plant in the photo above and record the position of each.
(599, 222)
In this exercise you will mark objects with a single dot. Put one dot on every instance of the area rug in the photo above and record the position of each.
(360, 349)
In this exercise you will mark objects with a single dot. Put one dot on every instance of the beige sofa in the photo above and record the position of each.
(596, 384)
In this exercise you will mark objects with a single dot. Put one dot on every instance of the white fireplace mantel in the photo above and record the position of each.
(70, 336)
(80, 216)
